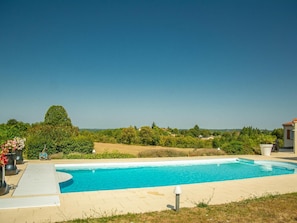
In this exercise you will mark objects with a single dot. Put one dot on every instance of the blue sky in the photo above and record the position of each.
(116, 63)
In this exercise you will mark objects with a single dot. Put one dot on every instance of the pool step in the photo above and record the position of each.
(244, 160)
(63, 177)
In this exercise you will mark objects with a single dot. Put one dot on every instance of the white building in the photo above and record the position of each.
(290, 135)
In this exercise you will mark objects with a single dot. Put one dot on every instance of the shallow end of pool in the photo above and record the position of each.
(63, 177)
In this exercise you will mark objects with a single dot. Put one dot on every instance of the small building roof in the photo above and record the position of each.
(290, 123)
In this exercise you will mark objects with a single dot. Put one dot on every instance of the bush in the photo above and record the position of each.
(207, 152)
(113, 155)
(74, 156)
(161, 153)
(77, 144)
(237, 147)
(35, 145)
(55, 138)
(105, 155)
(57, 156)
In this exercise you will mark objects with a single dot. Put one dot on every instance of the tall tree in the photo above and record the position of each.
(56, 115)
(154, 125)
(194, 132)
(56, 132)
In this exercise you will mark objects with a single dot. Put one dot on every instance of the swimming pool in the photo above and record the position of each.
(112, 176)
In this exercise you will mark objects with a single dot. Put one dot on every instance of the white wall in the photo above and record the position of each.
(288, 142)
(295, 135)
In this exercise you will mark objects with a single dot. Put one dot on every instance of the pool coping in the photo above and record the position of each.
(105, 203)
(144, 163)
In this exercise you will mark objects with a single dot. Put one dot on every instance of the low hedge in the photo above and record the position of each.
(161, 153)
(105, 155)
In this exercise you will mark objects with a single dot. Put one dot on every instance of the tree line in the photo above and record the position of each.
(58, 135)
(244, 141)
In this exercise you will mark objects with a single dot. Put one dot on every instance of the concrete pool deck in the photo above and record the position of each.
(41, 202)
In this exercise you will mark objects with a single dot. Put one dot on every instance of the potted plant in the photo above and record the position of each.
(20, 145)
(3, 161)
(266, 144)
(10, 167)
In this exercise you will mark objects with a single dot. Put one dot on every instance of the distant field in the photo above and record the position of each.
(130, 149)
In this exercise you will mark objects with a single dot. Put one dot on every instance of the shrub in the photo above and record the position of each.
(35, 145)
(113, 155)
(237, 147)
(161, 153)
(74, 156)
(77, 144)
(105, 155)
(57, 156)
(206, 152)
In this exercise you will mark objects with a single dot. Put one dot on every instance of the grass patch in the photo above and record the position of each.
(276, 208)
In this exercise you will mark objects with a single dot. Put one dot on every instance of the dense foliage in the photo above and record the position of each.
(59, 136)
(57, 115)
(56, 133)
(244, 141)
(153, 136)
(13, 128)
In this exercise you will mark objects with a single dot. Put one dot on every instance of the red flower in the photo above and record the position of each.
(3, 158)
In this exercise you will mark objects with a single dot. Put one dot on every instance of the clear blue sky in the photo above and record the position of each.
(116, 63)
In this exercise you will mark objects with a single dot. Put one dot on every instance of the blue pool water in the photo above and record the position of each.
(94, 177)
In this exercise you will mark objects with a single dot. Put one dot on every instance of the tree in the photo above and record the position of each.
(129, 135)
(250, 131)
(12, 122)
(56, 115)
(57, 133)
(279, 133)
(194, 132)
(12, 129)
(154, 125)
(146, 135)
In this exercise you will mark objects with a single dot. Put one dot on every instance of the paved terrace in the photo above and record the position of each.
(36, 197)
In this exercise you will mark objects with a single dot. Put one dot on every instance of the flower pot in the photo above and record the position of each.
(266, 149)
(3, 186)
(10, 167)
(19, 157)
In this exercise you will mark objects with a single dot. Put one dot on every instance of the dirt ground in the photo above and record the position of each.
(129, 149)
